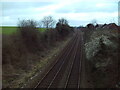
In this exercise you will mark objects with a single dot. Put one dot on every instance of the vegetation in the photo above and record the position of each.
(63, 28)
(48, 22)
(102, 55)
(24, 49)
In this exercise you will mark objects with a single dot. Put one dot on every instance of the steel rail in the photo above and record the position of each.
(74, 63)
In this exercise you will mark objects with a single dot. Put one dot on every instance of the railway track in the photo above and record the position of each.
(73, 77)
(67, 64)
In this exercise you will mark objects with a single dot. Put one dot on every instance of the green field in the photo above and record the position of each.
(11, 30)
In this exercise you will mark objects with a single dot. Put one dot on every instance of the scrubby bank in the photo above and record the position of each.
(102, 51)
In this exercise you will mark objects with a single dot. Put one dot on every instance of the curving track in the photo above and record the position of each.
(65, 73)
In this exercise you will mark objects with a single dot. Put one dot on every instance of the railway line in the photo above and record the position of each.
(65, 73)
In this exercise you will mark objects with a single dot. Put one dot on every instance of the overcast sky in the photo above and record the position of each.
(77, 12)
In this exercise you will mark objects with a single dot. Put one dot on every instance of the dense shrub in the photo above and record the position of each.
(29, 42)
(29, 34)
(102, 55)
(63, 29)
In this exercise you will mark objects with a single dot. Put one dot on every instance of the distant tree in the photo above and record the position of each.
(63, 21)
(63, 27)
(90, 26)
(27, 24)
(48, 22)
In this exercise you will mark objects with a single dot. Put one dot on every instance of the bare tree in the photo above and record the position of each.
(29, 24)
(63, 21)
(63, 28)
(48, 22)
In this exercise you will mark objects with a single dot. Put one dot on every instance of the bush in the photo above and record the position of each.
(29, 34)
(63, 29)
(102, 56)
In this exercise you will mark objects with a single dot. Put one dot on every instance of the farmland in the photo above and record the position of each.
(8, 30)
